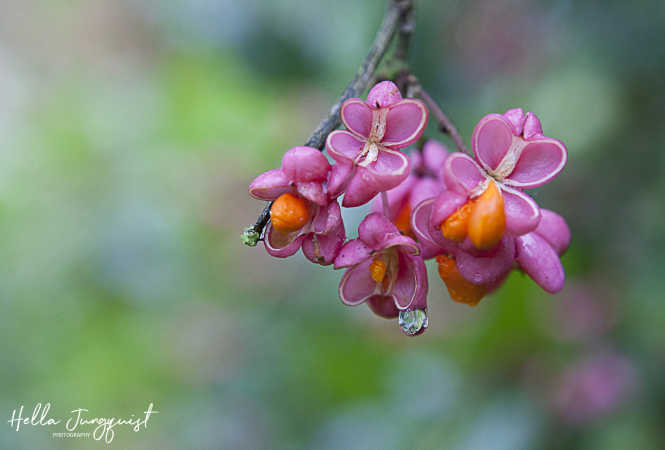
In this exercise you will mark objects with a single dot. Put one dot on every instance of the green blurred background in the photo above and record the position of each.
(129, 131)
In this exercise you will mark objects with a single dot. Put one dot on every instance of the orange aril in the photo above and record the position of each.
(459, 288)
(488, 219)
(482, 219)
(403, 220)
(454, 228)
(377, 270)
(289, 213)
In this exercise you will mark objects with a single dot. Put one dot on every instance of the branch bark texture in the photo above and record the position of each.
(445, 124)
(398, 14)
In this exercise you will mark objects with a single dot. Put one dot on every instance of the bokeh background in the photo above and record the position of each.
(129, 131)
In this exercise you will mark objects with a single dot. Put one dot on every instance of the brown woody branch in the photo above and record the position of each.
(398, 17)
(445, 124)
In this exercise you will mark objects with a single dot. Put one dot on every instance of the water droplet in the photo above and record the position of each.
(412, 321)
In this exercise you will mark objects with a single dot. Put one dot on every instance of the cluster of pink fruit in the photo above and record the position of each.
(469, 214)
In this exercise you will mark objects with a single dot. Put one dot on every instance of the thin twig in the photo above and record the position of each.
(396, 14)
(408, 24)
(390, 24)
(445, 124)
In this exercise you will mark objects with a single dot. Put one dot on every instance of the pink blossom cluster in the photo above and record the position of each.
(421, 200)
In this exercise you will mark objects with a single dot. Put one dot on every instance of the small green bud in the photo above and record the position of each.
(250, 237)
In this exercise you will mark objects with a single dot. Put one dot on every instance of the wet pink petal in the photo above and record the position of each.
(420, 223)
(312, 191)
(491, 140)
(532, 127)
(553, 228)
(325, 218)
(390, 168)
(344, 146)
(375, 230)
(420, 301)
(282, 245)
(329, 217)
(445, 204)
(323, 248)
(405, 122)
(270, 185)
(522, 213)
(361, 189)
(305, 164)
(540, 261)
(429, 250)
(352, 253)
(340, 175)
(338, 235)
(541, 160)
(397, 196)
(383, 305)
(357, 285)
(422, 285)
(461, 173)
(516, 118)
(424, 189)
(383, 94)
(309, 249)
(406, 284)
(415, 159)
(434, 156)
(405, 243)
(429, 236)
(356, 117)
(487, 267)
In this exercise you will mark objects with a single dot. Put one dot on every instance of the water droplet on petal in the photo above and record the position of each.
(412, 321)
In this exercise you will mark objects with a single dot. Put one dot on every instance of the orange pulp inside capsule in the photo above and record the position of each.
(454, 228)
(403, 220)
(482, 219)
(377, 270)
(289, 213)
(459, 288)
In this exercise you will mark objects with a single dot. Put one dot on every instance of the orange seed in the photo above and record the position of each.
(459, 288)
(377, 270)
(454, 228)
(403, 220)
(487, 222)
(289, 213)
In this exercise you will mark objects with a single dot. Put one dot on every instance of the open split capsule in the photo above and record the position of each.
(482, 219)
(460, 289)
